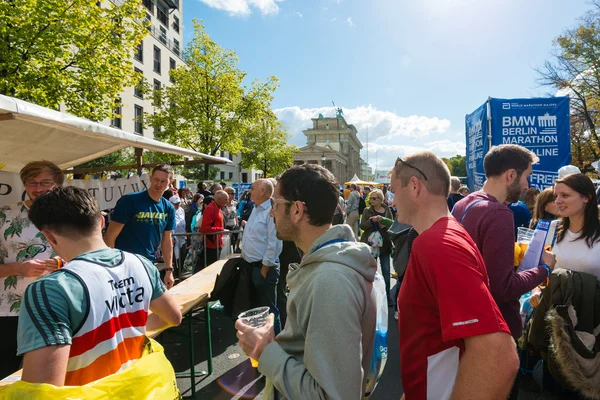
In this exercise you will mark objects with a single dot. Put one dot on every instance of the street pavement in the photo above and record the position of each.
(234, 378)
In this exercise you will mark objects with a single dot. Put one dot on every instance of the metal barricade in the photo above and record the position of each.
(203, 236)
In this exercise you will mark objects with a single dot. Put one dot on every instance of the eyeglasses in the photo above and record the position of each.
(410, 166)
(275, 201)
(43, 184)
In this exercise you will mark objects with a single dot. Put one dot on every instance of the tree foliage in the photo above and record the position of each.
(208, 108)
(69, 51)
(266, 148)
(457, 165)
(574, 70)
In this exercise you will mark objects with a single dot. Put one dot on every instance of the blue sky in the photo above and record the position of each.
(408, 69)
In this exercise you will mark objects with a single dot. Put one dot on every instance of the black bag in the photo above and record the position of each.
(247, 210)
(362, 204)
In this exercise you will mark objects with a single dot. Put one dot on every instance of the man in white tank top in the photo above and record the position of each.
(88, 319)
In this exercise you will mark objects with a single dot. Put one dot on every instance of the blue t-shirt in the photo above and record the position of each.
(521, 215)
(145, 221)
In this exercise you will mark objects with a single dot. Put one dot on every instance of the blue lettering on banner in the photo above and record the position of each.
(477, 146)
(240, 188)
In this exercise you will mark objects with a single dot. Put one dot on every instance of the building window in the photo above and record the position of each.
(230, 157)
(244, 177)
(172, 66)
(137, 88)
(156, 59)
(231, 176)
(222, 175)
(157, 99)
(161, 14)
(139, 119)
(116, 119)
(149, 21)
(163, 35)
(176, 46)
(148, 4)
(222, 154)
(175, 24)
(139, 52)
(157, 128)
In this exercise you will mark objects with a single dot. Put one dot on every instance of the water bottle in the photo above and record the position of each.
(380, 350)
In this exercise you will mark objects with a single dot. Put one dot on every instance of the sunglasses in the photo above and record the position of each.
(400, 160)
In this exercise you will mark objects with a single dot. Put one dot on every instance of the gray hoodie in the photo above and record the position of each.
(325, 349)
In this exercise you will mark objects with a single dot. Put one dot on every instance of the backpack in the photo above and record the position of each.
(362, 204)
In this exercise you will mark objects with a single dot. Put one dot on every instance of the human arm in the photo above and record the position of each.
(166, 246)
(165, 313)
(487, 367)
(112, 232)
(28, 269)
(274, 247)
(330, 324)
(46, 365)
(365, 221)
(497, 249)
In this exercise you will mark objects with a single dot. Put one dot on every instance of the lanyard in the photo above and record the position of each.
(328, 243)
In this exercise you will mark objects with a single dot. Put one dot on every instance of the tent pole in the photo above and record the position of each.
(138, 159)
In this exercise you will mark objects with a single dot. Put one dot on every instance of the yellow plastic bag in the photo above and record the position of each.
(150, 377)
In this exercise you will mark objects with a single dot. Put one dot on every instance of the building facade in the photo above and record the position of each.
(334, 144)
(158, 53)
(234, 172)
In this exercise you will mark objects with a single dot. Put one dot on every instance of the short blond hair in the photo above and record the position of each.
(34, 168)
(229, 190)
(378, 193)
(427, 167)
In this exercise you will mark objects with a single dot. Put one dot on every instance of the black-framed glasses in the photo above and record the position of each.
(399, 159)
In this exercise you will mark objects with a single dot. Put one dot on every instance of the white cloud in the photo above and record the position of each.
(390, 135)
(244, 7)
(298, 13)
(350, 23)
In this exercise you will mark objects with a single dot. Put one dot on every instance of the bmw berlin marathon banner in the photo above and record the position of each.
(541, 125)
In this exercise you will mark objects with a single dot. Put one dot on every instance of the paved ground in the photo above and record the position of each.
(234, 378)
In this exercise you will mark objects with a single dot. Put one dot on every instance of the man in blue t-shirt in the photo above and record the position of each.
(144, 220)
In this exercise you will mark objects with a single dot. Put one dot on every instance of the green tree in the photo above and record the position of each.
(208, 108)
(69, 51)
(457, 165)
(574, 69)
(266, 148)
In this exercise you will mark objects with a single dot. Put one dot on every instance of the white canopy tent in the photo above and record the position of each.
(29, 132)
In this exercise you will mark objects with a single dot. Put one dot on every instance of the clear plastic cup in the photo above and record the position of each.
(255, 318)
(524, 237)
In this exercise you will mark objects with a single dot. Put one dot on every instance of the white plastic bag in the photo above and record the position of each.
(226, 249)
(380, 352)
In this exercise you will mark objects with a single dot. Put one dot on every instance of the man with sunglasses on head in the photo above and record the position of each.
(24, 255)
(454, 342)
(261, 247)
(326, 347)
(491, 225)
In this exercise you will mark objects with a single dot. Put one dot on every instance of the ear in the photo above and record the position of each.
(102, 222)
(511, 175)
(50, 237)
(297, 211)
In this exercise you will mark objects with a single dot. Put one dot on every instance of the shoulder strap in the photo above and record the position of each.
(467, 210)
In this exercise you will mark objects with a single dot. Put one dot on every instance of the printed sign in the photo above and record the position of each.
(477, 146)
(107, 192)
(381, 176)
(542, 125)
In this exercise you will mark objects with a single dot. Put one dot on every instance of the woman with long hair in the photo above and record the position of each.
(545, 207)
(530, 197)
(578, 233)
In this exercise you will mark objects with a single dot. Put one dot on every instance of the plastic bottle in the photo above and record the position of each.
(380, 350)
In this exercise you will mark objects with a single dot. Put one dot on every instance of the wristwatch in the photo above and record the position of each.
(169, 269)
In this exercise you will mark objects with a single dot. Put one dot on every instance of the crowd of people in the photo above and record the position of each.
(312, 251)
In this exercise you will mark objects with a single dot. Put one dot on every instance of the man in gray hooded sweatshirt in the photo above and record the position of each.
(325, 349)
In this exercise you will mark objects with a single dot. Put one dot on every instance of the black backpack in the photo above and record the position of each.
(362, 204)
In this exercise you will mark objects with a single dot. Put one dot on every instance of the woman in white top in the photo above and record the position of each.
(577, 241)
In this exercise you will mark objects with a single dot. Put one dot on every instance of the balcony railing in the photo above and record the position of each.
(167, 42)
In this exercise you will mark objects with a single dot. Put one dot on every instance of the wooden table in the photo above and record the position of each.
(190, 295)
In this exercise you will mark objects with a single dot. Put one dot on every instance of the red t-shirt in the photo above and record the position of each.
(444, 297)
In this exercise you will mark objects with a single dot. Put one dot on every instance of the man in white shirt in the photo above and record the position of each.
(261, 248)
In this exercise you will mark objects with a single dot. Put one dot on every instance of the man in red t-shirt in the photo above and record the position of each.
(213, 221)
(454, 341)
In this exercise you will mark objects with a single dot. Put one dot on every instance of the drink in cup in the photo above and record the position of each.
(255, 318)
(524, 237)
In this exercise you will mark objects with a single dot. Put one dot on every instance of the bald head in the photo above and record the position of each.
(221, 198)
(262, 190)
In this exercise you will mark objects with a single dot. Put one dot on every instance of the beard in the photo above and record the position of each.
(285, 229)
(513, 192)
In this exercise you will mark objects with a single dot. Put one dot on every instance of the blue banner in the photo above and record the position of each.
(476, 127)
(240, 188)
(542, 125)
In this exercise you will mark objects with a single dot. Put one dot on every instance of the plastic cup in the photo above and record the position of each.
(524, 235)
(255, 318)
